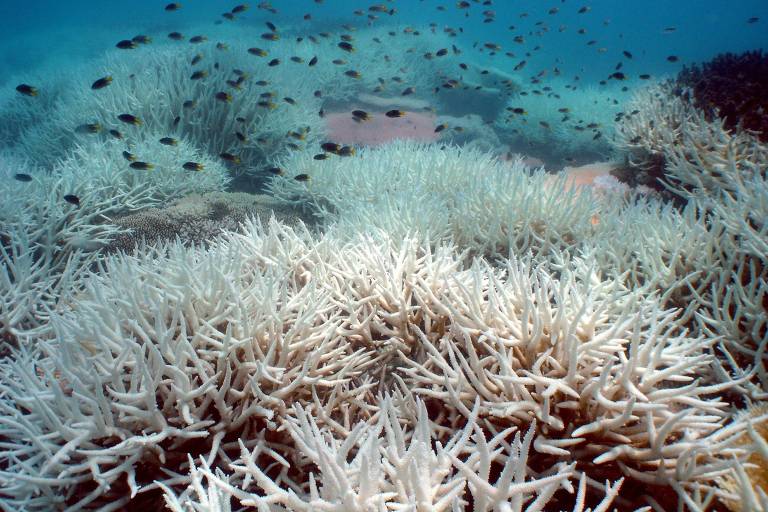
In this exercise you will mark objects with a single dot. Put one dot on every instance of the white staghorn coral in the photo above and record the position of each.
(265, 355)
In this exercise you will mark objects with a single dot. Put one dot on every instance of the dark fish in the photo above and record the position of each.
(128, 156)
(196, 59)
(352, 74)
(175, 36)
(116, 134)
(175, 6)
(141, 166)
(408, 91)
(239, 8)
(330, 147)
(440, 127)
(312, 61)
(22, 177)
(347, 47)
(229, 157)
(197, 39)
(395, 113)
(273, 62)
(361, 115)
(270, 36)
(72, 199)
(224, 96)
(673, 58)
(129, 119)
(276, 171)
(289, 100)
(618, 76)
(258, 52)
(584, 9)
(346, 151)
(89, 128)
(126, 44)
(198, 75)
(627, 54)
(321, 156)
(101, 82)
(169, 141)
(753, 19)
(644, 77)
(141, 39)
(297, 60)
(271, 26)
(193, 166)
(301, 177)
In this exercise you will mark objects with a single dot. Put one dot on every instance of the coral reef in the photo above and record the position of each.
(317, 373)
(199, 219)
(563, 124)
(730, 87)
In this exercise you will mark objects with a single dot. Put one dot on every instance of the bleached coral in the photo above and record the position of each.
(663, 133)
(269, 354)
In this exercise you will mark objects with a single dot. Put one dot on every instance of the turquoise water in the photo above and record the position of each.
(32, 33)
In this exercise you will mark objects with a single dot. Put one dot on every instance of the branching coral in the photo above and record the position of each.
(269, 356)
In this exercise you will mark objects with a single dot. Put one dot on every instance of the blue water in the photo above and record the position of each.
(33, 33)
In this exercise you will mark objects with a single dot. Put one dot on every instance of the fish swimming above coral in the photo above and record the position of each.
(392, 255)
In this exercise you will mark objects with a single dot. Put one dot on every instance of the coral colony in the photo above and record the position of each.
(409, 317)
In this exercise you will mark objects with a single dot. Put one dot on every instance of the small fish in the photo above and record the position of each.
(271, 26)
(129, 119)
(169, 141)
(26, 90)
(673, 58)
(273, 63)
(241, 137)
(347, 47)
(312, 61)
(175, 36)
(229, 157)
(395, 113)
(116, 134)
(129, 156)
(101, 83)
(301, 177)
(408, 91)
(270, 36)
(584, 9)
(72, 199)
(289, 100)
(361, 115)
(320, 156)
(644, 77)
(196, 59)
(199, 75)
(175, 6)
(126, 44)
(618, 76)
(224, 96)
(669, 30)
(276, 171)
(239, 8)
(189, 104)
(258, 52)
(141, 39)
(353, 74)
(193, 166)
(89, 128)
(330, 147)
(346, 151)
(627, 54)
(440, 127)
(753, 19)
(197, 39)
(22, 177)
(222, 46)
(519, 110)
(297, 60)
(141, 166)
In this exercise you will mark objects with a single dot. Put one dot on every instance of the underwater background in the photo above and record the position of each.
(422, 255)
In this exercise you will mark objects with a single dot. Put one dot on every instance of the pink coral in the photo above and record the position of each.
(343, 129)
